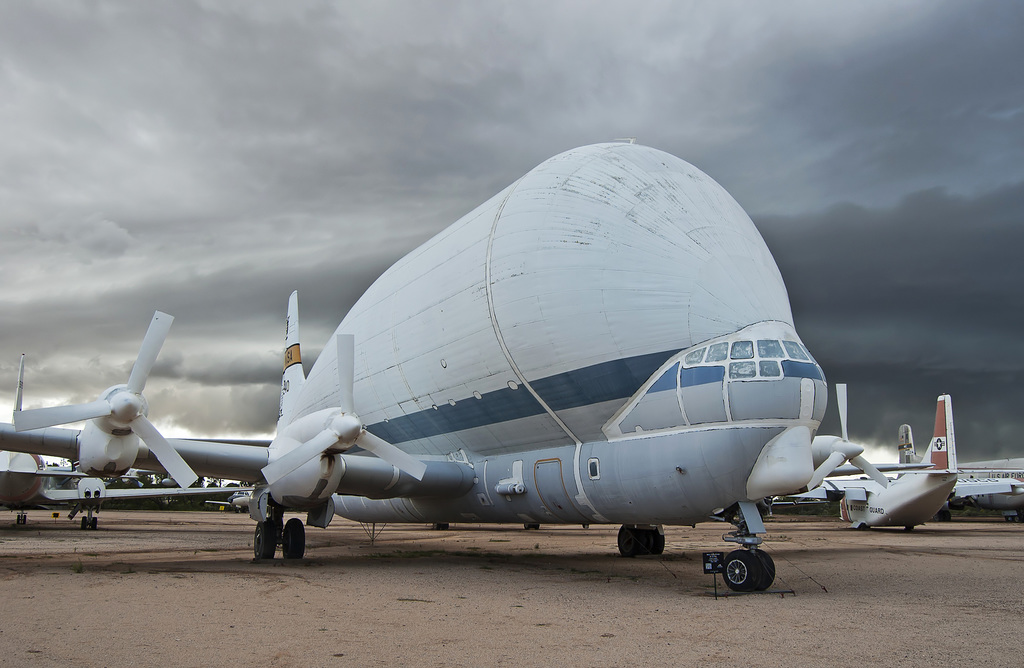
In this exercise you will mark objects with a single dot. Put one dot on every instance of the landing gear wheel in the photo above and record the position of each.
(440, 526)
(94, 523)
(85, 523)
(767, 572)
(630, 544)
(943, 515)
(531, 527)
(743, 570)
(659, 542)
(264, 541)
(909, 527)
(293, 539)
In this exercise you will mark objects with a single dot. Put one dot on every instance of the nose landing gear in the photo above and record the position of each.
(748, 568)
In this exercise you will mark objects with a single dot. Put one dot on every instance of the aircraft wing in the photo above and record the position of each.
(889, 467)
(51, 442)
(72, 495)
(978, 486)
(833, 490)
(231, 459)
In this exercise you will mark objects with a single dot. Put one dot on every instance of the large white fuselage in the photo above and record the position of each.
(606, 340)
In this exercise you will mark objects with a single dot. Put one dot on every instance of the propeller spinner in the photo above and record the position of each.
(122, 407)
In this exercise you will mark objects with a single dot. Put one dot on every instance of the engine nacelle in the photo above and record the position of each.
(310, 484)
(105, 453)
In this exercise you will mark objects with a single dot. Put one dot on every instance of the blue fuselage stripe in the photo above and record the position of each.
(616, 379)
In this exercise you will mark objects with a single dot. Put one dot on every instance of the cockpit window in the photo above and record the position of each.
(795, 350)
(695, 357)
(718, 352)
(769, 369)
(769, 348)
(742, 369)
(743, 350)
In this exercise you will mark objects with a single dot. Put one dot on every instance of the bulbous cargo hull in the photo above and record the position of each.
(528, 323)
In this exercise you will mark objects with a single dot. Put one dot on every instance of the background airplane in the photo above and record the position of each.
(607, 340)
(914, 497)
(239, 501)
(25, 482)
(996, 484)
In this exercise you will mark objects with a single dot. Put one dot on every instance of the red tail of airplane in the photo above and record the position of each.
(942, 449)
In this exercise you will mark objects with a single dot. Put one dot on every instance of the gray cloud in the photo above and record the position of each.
(912, 301)
(205, 158)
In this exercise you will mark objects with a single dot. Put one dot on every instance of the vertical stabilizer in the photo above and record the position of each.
(908, 455)
(293, 376)
(942, 449)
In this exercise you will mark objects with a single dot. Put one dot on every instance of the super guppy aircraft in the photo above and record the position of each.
(607, 340)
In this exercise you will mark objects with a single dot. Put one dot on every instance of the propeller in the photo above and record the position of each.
(344, 429)
(841, 450)
(123, 405)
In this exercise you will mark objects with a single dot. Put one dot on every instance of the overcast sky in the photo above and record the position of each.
(207, 158)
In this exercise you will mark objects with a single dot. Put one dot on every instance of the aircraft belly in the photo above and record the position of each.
(679, 478)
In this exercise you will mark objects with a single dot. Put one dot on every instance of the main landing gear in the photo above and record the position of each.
(748, 568)
(290, 535)
(637, 540)
(90, 521)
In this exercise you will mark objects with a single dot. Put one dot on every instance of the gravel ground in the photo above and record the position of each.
(181, 589)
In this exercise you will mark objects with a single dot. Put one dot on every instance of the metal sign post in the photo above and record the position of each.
(714, 563)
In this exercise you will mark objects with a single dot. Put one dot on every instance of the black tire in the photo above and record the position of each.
(768, 570)
(94, 523)
(532, 527)
(293, 539)
(629, 542)
(264, 541)
(743, 570)
(659, 543)
(440, 526)
(943, 516)
(85, 523)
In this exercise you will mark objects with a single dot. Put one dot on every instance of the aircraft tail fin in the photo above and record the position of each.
(293, 376)
(942, 449)
(908, 455)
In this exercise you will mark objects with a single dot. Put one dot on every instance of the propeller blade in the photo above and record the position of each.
(165, 453)
(869, 468)
(39, 418)
(834, 461)
(841, 400)
(397, 457)
(151, 344)
(346, 370)
(21, 384)
(295, 458)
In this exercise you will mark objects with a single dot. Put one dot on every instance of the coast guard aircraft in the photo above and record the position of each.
(914, 497)
(606, 340)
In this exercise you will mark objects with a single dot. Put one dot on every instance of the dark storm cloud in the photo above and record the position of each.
(912, 301)
(206, 158)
